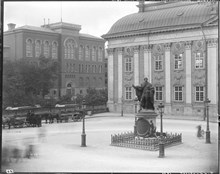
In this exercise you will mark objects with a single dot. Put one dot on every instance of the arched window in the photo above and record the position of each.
(94, 54)
(87, 53)
(29, 48)
(46, 49)
(37, 48)
(54, 50)
(94, 82)
(81, 52)
(69, 50)
(100, 54)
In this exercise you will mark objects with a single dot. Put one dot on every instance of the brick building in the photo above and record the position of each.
(81, 56)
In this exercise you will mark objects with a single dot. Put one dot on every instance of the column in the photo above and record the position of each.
(167, 74)
(110, 75)
(212, 70)
(188, 72)
(147, 61)
(120, 73)
(136, 66)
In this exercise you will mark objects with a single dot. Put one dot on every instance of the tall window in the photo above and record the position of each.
(199, 93)
(100, 54)
(178, 62)
(159, 93)
(199, 60)
(87, 53)
(29, 48)
(128, 93)
(54, 50)
(81, 52)
(93, 54)
(128, 64)
(69, 49)
(158, 63)
(46, 49)
(37, 48)
(178, 93)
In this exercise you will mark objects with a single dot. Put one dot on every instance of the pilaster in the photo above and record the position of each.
(136, 66)
(147, 61)
(212, 70)
(110, 75)
(120, 74)
(188, 61)
(167, 73)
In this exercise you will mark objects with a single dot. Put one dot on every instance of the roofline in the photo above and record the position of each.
(152, 31)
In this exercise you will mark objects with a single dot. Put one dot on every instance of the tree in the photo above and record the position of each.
(27, 84)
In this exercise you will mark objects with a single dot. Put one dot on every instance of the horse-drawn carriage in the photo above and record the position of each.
(21, 117)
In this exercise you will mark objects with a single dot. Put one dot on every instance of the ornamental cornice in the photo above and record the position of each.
(212, 42)
(188, 44)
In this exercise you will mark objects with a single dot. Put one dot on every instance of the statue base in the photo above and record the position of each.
(145, 123)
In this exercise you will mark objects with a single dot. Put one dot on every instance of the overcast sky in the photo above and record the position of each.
(95, 17)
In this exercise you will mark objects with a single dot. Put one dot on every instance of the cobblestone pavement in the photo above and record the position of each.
(60, 151)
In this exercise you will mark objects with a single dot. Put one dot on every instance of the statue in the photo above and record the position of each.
(145, 94)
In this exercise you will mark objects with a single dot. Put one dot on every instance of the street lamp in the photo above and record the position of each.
(135, 119)
(122, 100)
(207, 101)
(83, 136)
(161, 143)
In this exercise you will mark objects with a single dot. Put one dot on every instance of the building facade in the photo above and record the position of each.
(80, 56)
(174, 44)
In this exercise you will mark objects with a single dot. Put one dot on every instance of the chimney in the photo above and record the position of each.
(141, 5)
(11, 26)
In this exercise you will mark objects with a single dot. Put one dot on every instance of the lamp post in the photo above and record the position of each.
(135, 119)
(207, 101)
(83, 136)
(161, 143)
(122, 100)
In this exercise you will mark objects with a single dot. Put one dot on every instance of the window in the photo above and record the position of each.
(46, 49)
(128, 64)
(178, 62)
(199, 93)
(93, 54)
(159, 93)
(87, 53)
(29, 48)
(81, 82)
(37, 48)
(69, 50)
(54, 50)
(158, 63)
(100, 68)
(178, 93)
(199, 60)
(100, 54)
(94, 81)
(128, 93)
(81, 52)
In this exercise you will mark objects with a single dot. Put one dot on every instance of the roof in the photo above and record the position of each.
(90, 36)
(42, 29)
(163, 16)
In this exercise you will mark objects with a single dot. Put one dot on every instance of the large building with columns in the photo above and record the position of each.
(174, 44)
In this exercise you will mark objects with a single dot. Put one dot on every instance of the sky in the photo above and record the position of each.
(95, 17)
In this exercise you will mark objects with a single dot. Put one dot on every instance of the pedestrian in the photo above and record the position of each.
(200, 132)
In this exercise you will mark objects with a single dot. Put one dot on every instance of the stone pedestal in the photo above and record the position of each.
(144, 121)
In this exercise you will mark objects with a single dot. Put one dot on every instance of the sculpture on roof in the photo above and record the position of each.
(145, 94)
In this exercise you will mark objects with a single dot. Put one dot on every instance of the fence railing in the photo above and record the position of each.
(128, 139)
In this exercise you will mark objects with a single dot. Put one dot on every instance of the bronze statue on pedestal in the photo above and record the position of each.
(145, 94)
